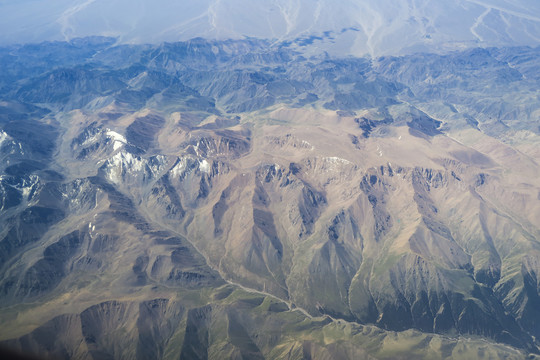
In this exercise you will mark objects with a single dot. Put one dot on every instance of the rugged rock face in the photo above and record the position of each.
(202, 200)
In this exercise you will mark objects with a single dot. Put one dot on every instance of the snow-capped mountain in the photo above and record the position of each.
(262, 189)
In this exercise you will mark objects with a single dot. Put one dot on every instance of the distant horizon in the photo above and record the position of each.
(380, 28)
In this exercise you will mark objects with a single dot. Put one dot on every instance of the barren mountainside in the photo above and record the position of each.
(244, 199)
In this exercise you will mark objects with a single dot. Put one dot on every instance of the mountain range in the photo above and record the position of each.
(260, 199)
(346, 27)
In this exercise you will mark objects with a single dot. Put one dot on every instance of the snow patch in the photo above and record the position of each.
(115, 136)
(337, 160)
(117, 145)
(155, 164)
(134, 163)
(128, 160)
(27, 186)
(196, 147)
(121, 162)
(90, 140)
(3, 137)
(307, 144)
(204, 166)
(124, 164)
(118, 140)
(178, 169)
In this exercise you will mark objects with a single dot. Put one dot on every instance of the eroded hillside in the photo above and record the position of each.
(231, 199)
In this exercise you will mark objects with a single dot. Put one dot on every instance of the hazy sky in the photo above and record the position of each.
(380, 26)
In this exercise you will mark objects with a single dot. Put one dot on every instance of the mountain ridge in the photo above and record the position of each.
(349, 27)
(348, 189)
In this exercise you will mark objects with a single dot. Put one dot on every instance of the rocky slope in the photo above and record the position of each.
(237, 199)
